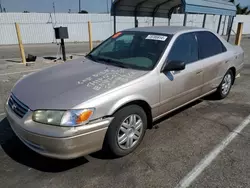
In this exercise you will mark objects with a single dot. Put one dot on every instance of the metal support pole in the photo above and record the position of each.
(114, 24)
(230, 28)
(185, 19)
(114, 9)
(169, 19)
(239, 33)
(90, 35)
(63, 50)
(204, 20)
(136, 21)
(223, 30)
(153, 23)
(218, 30)
(238, 37)
(18, 32)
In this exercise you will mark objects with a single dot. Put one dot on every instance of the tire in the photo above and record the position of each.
(224, 88)
(121, 129)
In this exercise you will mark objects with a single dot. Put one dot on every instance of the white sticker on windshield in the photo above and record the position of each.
(157, 37)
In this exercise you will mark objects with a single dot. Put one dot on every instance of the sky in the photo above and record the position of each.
(94, 6)
(60, 5)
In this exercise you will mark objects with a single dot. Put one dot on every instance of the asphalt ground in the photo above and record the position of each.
(182, 142)
(43, 50)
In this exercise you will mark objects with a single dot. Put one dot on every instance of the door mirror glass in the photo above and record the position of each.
(174, 66)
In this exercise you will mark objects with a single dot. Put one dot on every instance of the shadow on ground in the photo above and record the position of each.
(16, 150)
(14, 61)
(176, 112)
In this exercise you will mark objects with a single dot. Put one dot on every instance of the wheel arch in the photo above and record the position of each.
(140, 102)
(233, 69)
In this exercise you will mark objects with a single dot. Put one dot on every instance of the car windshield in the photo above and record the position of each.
(136, 50)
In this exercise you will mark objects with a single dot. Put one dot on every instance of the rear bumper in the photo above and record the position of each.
(69, 147)
(239, 69)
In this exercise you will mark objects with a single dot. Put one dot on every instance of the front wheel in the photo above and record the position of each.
(224, 89)
(126, 130)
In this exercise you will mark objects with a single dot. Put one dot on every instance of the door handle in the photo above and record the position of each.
(198, 72)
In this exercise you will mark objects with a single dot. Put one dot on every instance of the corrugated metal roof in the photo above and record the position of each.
(164, 8)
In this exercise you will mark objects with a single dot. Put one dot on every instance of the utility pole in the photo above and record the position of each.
(54, 8)
(80, 6)
(107, 6)
(1, 9)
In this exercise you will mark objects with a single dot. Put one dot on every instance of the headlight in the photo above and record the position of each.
(69, 118)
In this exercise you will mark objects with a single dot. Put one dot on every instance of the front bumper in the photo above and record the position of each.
(59, 142)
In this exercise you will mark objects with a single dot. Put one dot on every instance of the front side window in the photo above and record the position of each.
(138, 50)
(209, 44)
(185, 49)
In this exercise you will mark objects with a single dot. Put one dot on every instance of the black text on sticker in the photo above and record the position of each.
(156, 37)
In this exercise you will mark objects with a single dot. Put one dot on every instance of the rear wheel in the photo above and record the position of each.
(224, 89)
(126, 130)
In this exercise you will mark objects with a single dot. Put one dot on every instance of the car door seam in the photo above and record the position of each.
(181, 94)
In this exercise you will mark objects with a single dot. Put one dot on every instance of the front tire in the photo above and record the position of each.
(126, 131)
(224, 89)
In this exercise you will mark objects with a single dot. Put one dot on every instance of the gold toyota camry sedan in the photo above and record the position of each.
(109, 98)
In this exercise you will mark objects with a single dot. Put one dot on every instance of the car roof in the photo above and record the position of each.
(166, 29)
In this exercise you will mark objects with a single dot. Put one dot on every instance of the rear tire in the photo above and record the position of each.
(224, 89)
(126, 131)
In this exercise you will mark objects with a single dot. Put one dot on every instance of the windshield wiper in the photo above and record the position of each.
(112, 62)
(91, 57)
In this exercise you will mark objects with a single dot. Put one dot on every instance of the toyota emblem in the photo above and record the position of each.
(13, 107)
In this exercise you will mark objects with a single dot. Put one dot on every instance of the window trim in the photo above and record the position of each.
(196, 40)
(168, 40)
(224, 49)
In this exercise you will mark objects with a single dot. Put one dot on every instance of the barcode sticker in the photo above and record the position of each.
(156, 37)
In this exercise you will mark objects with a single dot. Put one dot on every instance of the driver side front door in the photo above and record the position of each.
(180, 87)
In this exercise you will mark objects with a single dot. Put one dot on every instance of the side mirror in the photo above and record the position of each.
(173, 66)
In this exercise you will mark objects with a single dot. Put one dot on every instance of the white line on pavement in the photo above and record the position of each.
(2, 114)
(6, 74)
(205, 162)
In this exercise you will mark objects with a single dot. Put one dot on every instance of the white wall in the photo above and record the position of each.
(38, 27)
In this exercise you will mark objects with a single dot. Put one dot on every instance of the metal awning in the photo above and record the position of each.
(164, 8)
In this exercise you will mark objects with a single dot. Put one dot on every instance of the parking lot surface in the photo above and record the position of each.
(176, 145)
(40, 50)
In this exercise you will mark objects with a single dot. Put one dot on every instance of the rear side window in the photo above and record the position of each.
(209, 44)
(185, 49)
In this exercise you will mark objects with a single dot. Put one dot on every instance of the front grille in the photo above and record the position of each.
(17, 106)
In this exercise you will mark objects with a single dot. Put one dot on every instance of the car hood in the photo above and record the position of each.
(69, 84)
